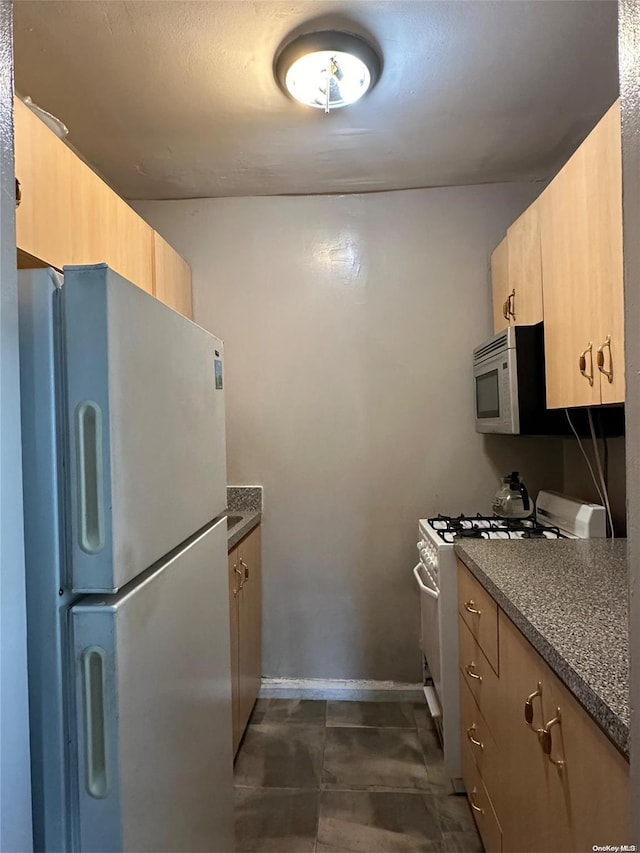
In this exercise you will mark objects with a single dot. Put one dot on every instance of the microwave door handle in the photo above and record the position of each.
(422, 586)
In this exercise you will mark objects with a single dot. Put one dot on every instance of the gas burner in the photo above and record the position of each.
(516, 523)
(472, 533)
(533, 533)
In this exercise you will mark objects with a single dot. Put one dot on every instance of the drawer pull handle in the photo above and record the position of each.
(470, 734)
(528, 706)
(544, 736)
(472, 796)
(469, 670)
(582, 363)
(470, 607)
(240, 574)
(246, 569)
(600, 359)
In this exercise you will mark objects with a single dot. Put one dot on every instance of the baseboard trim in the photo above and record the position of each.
(343, 689)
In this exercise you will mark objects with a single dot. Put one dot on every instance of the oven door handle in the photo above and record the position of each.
(422, 586)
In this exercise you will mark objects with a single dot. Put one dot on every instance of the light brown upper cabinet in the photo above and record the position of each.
(516, 274)
(172, 277)
(67, 214)
(500, 286)
(104, 229)
(43, 170)
(581, 230)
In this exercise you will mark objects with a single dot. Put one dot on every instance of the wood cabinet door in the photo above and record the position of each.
(43, 168)
(603, 177)
(581, 235)
(570, 291)
(234, 606)
(546, 805)
(106, 230)
(250, 642)
(499, 285)
(524, 266)
(172, 276)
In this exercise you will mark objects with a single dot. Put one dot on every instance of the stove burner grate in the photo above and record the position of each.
(479, 526)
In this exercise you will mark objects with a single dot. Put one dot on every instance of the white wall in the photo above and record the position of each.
(348, 323)
(15, 775)
(579, 483)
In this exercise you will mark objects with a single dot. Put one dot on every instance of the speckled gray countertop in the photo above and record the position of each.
(569, 597)
(237, 531)
(244, 503)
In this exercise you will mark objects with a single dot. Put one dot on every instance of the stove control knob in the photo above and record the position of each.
(421, 544)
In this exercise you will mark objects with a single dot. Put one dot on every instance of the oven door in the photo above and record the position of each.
(429, 621)
(495, 382)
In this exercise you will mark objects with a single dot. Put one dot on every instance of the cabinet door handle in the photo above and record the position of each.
(470, 735)
(470, 607)
(544, 736)
(239, 573)
(600, 359)
(18, 193)
(505, 309)
(582, 363)
(246, 569)
(528, 706)
(472, 797)
(511, 304)
(469, 669)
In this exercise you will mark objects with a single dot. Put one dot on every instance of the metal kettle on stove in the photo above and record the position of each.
(512, 498)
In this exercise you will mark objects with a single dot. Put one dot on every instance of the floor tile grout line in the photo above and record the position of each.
(324, 747)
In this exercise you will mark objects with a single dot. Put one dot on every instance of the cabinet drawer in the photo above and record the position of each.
(481, 805)
(480, 613)
(479, 677)
(475, 733)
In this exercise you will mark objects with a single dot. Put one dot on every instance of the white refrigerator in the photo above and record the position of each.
(126, 548)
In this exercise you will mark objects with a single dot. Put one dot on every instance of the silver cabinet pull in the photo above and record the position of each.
(470, 607)
(511, 304)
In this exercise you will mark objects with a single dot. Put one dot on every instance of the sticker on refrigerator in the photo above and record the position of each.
(218, 369)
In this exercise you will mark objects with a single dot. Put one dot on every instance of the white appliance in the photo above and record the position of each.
(557, 516)
(127, 598)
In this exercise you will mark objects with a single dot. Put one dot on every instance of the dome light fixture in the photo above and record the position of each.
(327, 70)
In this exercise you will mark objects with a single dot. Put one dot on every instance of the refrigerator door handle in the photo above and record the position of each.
(95, 729)
(90, 476)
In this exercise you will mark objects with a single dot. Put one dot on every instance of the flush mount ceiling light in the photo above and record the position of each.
(327, 70)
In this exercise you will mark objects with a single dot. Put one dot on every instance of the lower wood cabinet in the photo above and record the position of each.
(540, 774)
(245, 605)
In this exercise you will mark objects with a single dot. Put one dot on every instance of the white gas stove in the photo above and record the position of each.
(557, 516)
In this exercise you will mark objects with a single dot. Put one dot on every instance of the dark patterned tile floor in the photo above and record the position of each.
(346, 777)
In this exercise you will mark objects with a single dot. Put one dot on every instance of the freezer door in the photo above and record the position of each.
(145, 425)
(155, 765)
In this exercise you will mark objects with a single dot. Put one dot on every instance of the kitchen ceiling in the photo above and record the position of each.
(178, 99)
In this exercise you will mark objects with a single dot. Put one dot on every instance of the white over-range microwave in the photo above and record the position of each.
(509, 384)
